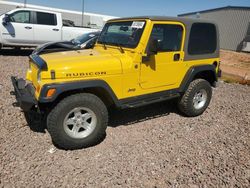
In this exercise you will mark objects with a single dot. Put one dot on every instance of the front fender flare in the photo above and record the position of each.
(70, 86)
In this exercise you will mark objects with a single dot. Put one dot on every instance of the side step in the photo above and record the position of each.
(148, 101)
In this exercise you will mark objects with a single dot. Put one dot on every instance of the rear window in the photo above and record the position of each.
(46, 18)
(203, 39)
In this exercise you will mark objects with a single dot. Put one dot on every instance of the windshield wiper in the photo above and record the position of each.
(104, 46)
(104, 41)
(118, 45)
(121, 49)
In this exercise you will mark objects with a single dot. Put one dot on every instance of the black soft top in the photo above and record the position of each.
(186, 21)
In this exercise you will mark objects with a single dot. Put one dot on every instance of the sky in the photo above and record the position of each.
(123, 8)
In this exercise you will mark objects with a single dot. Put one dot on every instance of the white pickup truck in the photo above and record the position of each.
(24, 27)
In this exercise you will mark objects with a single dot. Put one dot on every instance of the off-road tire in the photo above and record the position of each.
(56, 118)
(185, 103)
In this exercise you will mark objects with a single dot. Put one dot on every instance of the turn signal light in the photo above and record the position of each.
(51, 92)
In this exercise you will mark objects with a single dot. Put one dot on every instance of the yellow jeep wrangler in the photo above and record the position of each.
(136, 61)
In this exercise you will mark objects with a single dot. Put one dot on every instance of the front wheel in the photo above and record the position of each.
(196, 98)
(78, 121)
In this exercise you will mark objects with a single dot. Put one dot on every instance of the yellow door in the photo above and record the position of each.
(165, 68)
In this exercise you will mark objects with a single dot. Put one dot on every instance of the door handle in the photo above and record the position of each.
(55, 29)
(27, 27)
(177, 57)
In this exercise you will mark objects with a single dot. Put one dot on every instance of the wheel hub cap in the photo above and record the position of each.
(200, 99)
(80, 122)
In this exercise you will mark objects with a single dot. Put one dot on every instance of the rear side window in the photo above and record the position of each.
(45, 18)
(203, 39)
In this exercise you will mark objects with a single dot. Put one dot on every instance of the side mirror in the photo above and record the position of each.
(6, 19)
(153, 47)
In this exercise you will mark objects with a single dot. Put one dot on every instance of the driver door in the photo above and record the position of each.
(20, 28)
(166, 67)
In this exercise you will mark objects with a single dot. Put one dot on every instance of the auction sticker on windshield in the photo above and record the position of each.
(138, 25)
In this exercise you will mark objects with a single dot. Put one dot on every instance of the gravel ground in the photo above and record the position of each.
(235, 66)
(152, 146)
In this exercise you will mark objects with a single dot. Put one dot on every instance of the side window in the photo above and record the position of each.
(169, 37)
(45, 18)
(20, 17)
(203, 39)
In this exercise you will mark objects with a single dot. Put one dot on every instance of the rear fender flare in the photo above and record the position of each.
(193, 71)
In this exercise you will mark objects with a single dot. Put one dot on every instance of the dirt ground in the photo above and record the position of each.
(236, 66)
(152, 146)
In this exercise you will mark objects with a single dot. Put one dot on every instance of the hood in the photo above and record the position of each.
(82, 63)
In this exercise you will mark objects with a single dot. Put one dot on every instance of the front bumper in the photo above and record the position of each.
(24, 93)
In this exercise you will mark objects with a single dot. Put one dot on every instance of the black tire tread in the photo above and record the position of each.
(55, 113)
(183, 103)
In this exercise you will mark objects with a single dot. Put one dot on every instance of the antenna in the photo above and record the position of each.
(25, 2)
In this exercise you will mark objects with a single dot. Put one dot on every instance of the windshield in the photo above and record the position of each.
(123, 34)
(84, 38)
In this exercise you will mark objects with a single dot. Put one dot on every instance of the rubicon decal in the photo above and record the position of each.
(85, 74)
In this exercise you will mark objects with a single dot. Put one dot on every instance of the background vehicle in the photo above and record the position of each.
(135, 62)
(32, 27)
(84, 41)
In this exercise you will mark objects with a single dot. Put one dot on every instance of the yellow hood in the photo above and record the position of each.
(83, 63)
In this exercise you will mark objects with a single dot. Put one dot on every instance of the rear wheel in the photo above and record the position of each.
(78, 121)
(196, 98)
